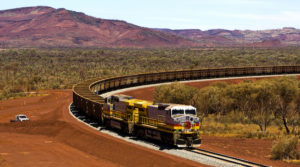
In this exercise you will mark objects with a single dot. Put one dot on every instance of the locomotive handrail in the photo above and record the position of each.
(86, 94)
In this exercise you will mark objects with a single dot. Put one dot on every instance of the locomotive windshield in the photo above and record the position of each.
(177, 111)
(190, 111)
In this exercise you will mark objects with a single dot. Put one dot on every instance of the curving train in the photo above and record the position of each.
(171, 123)
(174, 124)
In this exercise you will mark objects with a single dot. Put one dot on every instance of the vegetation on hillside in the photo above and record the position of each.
(27, 70)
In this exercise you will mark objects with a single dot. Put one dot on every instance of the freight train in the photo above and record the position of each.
(174, 124)
(86, 97)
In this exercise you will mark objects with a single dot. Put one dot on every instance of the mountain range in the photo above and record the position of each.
(49, 27)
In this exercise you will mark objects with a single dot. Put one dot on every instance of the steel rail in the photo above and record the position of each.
(226, 158)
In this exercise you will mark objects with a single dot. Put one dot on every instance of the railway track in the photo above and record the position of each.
(226, 158)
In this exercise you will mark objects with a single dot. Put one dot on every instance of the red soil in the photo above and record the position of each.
(255, 150)
(54, 138)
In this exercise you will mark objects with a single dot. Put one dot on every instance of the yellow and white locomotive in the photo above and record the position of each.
(174, 124)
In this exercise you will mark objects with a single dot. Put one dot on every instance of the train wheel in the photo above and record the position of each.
(167, 138)
(140, 133)
(124, 128)
(107, 123)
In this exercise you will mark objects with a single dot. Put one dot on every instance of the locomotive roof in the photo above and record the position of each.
(137, 102)
(122, 95)
(169, 106)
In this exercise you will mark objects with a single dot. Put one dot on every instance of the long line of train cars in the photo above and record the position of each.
(135, 116)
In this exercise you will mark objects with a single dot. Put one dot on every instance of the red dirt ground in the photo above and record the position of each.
(54, 138)
(255, 150)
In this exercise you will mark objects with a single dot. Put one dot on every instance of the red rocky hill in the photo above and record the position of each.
(49, 27)
(262, 38)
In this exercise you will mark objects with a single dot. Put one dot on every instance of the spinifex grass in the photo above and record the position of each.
(229, 126)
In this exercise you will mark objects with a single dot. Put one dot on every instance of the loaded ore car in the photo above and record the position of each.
(174, 124)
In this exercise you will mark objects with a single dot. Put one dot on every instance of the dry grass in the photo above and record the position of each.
(285, 148)
(223, 127)
(28, 95)
(294, 161)
(1, 161)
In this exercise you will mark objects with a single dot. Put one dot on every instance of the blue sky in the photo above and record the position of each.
(183, 14)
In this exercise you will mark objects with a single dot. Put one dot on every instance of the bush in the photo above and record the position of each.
(174, 93)
(285, 148)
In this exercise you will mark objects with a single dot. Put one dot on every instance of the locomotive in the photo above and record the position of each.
(174, 124)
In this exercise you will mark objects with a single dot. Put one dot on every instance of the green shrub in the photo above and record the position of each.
(285, 148)
(174, 93)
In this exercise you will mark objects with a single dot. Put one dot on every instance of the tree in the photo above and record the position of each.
(255, 100)
(295, 118)
(262, 100)
(211, 100)
(286, 91)
(242, 96)
(174, 93)
(202, 104)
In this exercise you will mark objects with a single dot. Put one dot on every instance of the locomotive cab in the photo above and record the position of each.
(181, 119)
(186, 117)
(186, 123)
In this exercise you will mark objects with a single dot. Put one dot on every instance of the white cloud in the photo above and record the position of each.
(285, 16)
(233, 21)
(234, 2)
(252, 2)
